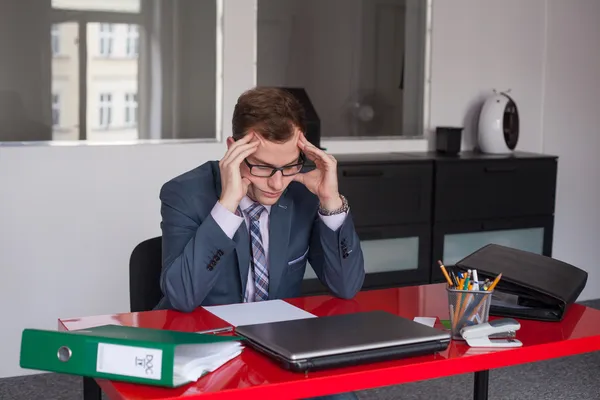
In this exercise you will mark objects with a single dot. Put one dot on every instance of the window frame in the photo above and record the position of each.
(82, 18)
(105, 109)
(56, 108)
(106, 40)
(130, 115)
(132, 41)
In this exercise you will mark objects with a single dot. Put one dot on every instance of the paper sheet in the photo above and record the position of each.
(258, 312)
(425, 321)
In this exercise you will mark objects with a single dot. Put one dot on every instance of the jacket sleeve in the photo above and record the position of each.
(191, 250)
(337, 257)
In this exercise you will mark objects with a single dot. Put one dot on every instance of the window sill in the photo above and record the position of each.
(374, 145)
(331, 145)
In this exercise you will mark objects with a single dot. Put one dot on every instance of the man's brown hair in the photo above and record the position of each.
(271, 112)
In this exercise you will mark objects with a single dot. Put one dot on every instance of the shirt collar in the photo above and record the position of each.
(247, 202)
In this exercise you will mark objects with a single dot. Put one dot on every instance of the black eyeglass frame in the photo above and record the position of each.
(275, 169)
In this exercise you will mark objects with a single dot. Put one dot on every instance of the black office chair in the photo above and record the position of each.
(145, 265)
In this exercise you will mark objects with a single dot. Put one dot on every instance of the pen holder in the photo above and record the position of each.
(467, 307)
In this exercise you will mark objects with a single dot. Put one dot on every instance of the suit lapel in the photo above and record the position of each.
(280, 220)
(242, 250)
(241, 237)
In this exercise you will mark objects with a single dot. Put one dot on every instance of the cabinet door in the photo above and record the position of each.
(387, 194)
(488, 189)
(394, 256)
(454, 241)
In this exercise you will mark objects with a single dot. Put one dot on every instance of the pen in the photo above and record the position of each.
(475, 280)
(218, 330)
(454, 278)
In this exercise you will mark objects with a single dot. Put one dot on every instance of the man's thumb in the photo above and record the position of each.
(245, 183)
(299, 178)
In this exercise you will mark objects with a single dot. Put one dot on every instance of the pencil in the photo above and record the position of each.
(445, 273)
(493, 285)
(489, 289)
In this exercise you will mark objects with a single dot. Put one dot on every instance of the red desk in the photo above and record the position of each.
(252, 375)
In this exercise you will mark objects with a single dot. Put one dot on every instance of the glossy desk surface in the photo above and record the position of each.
(252, 374)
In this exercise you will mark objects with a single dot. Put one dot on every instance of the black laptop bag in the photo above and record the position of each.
(532, 286)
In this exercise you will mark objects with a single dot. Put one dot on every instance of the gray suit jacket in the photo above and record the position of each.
(203, 266)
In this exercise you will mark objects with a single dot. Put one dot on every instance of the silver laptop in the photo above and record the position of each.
(342, 340)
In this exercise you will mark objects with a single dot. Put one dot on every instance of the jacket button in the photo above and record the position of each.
(209, 267)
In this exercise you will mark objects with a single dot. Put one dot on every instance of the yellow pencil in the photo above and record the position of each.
(493, 285)
(445, 273)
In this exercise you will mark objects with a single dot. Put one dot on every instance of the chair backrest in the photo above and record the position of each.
(145, 266)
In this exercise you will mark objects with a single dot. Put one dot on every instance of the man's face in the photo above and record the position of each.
(267, 190)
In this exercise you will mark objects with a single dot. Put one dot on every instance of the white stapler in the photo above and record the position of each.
(479, 335)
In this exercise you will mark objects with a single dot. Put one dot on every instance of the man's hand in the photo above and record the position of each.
(323, 180)
(234, 187)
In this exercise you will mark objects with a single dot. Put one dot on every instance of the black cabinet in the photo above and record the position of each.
(390, 199)
(390, 194)
(482, 199)
(452, 241)
(494, 188)
(395, 255)
(412, 209)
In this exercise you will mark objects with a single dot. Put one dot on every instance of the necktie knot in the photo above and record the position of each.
(255, 211)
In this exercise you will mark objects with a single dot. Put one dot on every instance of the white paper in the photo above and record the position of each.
(258, 312)
(140, 362)
(193, 361)
(425, 321)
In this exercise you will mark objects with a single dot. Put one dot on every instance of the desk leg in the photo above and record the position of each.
(480, 391)
(91, 390)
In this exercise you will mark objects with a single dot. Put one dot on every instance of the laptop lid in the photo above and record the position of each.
(338, 334)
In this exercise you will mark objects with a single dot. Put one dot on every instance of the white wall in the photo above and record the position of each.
(571, 117)
(550, 60)
(71, 214)
(474, 51)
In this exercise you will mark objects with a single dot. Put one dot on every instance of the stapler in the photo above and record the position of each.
(479, 335)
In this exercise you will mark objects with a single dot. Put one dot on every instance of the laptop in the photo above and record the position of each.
(313, 344)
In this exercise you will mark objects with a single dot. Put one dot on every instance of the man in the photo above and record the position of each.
(242, 229)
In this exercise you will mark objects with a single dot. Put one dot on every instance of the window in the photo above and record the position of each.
(64, 104)
(167, 58)
(361, 63)
(55, 110)
(132, 45)
(55, 39)
(105, 110)
(131, 106)
(106, 37)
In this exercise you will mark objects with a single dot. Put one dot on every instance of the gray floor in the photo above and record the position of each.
(576, 377)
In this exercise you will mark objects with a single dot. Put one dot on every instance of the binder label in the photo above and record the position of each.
(140, 362)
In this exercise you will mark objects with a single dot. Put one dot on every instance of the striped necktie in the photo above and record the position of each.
(259, 258)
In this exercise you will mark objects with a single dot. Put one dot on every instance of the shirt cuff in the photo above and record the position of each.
(228, 221)
(333, 221)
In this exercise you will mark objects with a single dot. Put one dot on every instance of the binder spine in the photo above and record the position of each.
(97, 357)
(140, 362)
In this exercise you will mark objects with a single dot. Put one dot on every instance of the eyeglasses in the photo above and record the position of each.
(266, 171)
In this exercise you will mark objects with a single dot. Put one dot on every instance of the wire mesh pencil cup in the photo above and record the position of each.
(467, 307)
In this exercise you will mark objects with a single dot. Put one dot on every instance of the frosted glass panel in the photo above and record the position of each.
(384, 255)
(459, 245)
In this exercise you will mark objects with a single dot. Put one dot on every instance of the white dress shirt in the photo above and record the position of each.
(230, 222)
